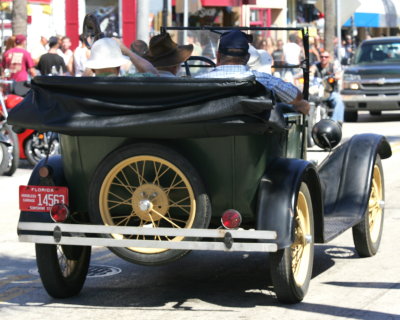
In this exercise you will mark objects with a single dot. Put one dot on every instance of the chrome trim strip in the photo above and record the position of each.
(180, 245)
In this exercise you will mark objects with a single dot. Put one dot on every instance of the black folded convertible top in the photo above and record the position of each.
(146, 107)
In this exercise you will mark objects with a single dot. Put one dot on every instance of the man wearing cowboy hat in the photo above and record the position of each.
(166, 55)
(232, 58)
(107, 56)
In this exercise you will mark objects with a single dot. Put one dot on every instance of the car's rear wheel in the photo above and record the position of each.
(291, 268)
(368, 233)
(62, 269)
(351, 116)
(149, 186)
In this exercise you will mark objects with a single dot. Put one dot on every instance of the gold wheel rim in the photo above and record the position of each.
(147, 191)
(301, 247)
(375, 212)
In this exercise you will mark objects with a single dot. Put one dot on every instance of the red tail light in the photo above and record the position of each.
(59, 212)
(231, 219)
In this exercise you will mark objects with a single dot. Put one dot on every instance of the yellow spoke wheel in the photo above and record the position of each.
(147, 191)
(301, 248)
(150, 186)
(368, 233)
(291, 267)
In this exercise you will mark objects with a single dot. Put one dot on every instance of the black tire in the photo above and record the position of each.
(368, 233)
(13, 150)
(4, 158)
(375, 112)
(62, 269)
(291, 281)
(146, 184)
(351, 116)
(35, 149)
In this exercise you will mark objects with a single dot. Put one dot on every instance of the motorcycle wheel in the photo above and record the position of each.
(35, 149)
(13, 151)
(4, 158)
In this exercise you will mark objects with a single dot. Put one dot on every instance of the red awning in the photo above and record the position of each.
(223, 3)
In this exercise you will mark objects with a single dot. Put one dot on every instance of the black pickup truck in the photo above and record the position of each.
(372, 82)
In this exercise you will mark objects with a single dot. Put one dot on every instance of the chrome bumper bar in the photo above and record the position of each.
(86, 235)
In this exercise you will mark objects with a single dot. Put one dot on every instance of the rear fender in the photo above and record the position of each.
(346, 175)
(277, 198)
(58, 179)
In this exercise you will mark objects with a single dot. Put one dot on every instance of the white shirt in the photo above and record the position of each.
(80, 58)
(292, 53)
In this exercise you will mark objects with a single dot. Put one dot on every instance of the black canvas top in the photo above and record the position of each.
(151, 107)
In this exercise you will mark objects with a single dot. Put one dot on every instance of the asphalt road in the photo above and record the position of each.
(206, 285)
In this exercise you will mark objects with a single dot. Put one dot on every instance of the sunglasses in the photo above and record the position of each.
(324, 56)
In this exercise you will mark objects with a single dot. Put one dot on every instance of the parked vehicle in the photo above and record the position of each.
(32, 145)
(153, 168)
(9, 157)
(372, 82)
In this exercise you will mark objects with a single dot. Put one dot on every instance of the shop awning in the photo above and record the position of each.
(194, 5)
(376, 14)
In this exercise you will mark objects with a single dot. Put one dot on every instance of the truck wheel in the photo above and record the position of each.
(62, 269)
(368, 233)
(291, 268)
(149, 186)
(351, 116)
(13, 150)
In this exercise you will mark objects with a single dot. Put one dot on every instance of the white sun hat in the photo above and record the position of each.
(106, 53)
(260, 60)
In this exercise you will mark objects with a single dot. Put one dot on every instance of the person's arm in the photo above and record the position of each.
(70, 65)
(288, 93)
(30, 66)
(301, 105)
(141, 64)
(32, 72)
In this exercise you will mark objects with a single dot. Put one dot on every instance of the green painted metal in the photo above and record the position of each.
(231, 167)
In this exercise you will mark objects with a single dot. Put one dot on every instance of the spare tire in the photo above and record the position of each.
(148, 185)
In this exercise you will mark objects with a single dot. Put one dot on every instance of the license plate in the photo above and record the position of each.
(41, 198)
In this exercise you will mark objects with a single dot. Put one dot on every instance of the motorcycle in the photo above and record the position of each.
(32, 145)
(9, 151)
(320, 105)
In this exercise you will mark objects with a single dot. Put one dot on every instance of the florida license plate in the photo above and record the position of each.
(41, 198)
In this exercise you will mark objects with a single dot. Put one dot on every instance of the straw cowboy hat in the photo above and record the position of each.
(106, 53)
(163, 52)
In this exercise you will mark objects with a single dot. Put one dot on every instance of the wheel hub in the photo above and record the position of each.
(150, 202)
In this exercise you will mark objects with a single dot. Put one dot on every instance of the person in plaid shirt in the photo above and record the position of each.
(232, 58)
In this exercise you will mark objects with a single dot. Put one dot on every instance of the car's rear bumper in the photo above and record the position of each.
(110, 236)
(368, 101)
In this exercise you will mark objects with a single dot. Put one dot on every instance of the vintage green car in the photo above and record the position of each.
(153, 168)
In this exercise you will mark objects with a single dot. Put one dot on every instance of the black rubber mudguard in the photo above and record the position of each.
(277, 198)
(346, 175)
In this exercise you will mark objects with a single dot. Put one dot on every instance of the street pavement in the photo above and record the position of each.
(206, 285)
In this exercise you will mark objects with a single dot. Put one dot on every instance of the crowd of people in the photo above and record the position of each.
(54, 56)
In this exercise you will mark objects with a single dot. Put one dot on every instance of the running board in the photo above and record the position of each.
(88, 235)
